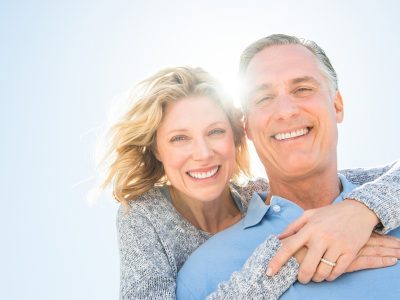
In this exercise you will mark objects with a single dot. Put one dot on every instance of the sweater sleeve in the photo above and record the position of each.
(251, 282)
(379, 191)
(145, 269)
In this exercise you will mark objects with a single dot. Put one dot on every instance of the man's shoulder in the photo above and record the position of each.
(212, 263)
(219, 249)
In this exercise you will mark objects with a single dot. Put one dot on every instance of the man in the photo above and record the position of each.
(292, 109)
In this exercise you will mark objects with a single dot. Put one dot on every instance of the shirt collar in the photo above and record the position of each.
(258, 209)
(347, 187)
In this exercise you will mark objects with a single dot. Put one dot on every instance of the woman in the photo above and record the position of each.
(176, 158)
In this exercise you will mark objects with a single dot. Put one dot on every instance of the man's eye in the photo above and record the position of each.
(216, 131)
(178, 138)
(304, 91)
(263, 99)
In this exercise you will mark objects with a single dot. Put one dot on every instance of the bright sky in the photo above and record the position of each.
(63, 63)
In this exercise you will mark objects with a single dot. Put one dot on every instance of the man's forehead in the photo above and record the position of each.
(266, 86)
(281, 53)
(282, 62)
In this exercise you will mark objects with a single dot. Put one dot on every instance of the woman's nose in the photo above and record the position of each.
(202, 150)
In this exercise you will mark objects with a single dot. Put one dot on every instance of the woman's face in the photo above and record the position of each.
(195, 144)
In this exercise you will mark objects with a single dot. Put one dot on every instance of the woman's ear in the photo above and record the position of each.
(155, 152)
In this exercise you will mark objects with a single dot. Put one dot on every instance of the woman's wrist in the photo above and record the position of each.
(369, 216)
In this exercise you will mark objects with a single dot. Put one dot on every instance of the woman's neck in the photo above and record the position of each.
(211, 216)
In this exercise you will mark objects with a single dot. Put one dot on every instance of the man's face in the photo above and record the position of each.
(292, 114)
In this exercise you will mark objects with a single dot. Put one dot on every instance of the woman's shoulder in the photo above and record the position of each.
(152, 217)
(146, 206)
(150, 198)
(257, 185)
(253, 185)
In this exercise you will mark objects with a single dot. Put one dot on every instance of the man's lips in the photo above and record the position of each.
(292, 134)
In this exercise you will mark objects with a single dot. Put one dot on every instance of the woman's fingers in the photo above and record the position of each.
(293, 238)
(379, 252)
(311, 261)
(291, 242)
(294, 227)
(290, 245)
(325, 267)
(335, 232)
(342, 264)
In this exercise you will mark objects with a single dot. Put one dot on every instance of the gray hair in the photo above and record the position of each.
(283, 39)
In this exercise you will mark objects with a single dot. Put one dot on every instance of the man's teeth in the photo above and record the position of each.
(203, 175)
(292, 134)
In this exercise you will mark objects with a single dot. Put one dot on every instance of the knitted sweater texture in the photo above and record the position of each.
(155, 241)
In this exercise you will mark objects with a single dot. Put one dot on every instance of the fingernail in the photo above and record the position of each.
(269, 272)
(393, 260)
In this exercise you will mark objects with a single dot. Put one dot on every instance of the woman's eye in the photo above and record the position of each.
(217, 131)
(178, 138)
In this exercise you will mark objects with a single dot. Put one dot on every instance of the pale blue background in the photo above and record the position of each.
(63, 62)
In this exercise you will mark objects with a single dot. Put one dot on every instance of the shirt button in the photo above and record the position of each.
(276, 208)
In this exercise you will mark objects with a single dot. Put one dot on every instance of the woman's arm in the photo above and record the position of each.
(145, 269)
(251, 282)
(342, 229)
(379, 191)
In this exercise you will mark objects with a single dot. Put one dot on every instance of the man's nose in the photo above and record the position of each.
(202, 150)
(286, 107)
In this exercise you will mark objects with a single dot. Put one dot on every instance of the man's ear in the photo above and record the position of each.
(247, 129)
(338, 102)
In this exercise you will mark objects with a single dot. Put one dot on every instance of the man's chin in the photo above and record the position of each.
(295, 170)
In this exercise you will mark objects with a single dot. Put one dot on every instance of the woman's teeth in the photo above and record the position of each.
(203, 175)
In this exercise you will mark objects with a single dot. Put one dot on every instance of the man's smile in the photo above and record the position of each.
(291, 134)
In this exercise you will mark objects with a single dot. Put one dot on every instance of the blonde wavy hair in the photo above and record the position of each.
(131, 164)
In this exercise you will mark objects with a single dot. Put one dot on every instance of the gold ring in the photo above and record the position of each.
(328, 262)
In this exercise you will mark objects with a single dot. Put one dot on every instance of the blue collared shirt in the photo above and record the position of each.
(227, 252)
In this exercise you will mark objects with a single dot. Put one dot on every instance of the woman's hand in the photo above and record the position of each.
(335, 232)
(379, 252)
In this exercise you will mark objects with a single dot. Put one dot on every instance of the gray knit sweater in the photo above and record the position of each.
(155, 241)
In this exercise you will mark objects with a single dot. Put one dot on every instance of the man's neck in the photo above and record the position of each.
(308, 192)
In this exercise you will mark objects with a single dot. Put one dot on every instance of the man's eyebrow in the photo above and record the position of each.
(258, 88)
(304, 79)
(268, 86)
